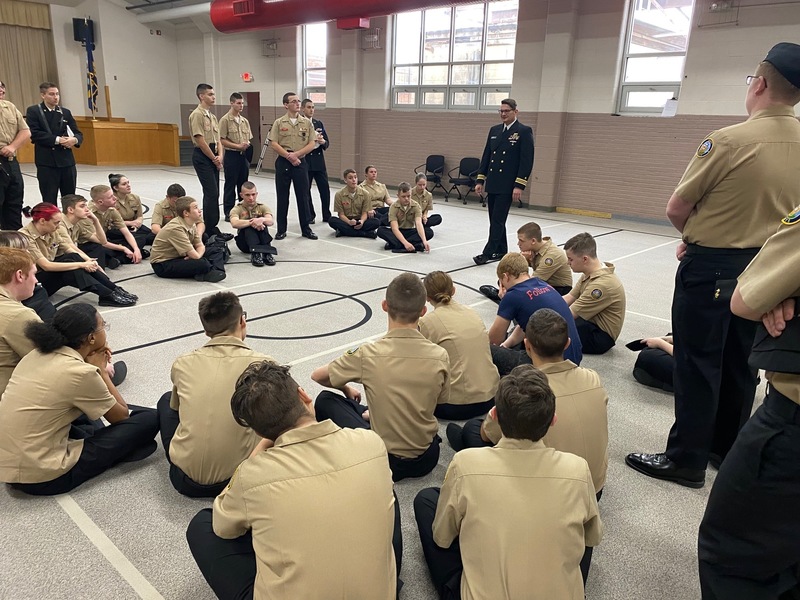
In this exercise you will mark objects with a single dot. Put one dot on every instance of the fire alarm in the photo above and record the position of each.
(248, 77)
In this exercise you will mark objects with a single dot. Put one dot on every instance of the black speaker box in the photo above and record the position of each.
(81, 29)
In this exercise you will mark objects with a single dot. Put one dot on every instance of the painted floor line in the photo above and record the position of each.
(675, 241)
(630, 312)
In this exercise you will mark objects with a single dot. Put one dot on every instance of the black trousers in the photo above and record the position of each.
(55, 179)
(40, 303)
(347, 413)
(505, 359)
(654, 368)
(714, 386)
(168, 421)
(345, 229)
(126, 441)
(237, 170)
(286, 176)
(321, 177)
(499, 205)
(459, 412)
(98, 252)
(179, 268)
(433, 220)
(12, 193)
(229, 566)
(411, 235)
(208, 174)
(593, 339)
(471, 434)
(248, 238)
(749, 540)
(97, 282)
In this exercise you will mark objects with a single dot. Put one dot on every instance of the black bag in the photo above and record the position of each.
(780, 354)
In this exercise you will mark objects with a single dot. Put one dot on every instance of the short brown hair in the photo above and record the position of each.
(513, 264)
(525, 404)
(439, 286)
(98, 190)
(405, 298)
(509, 102)
(779, 87)
(183, 204)
(265, 399)
(220, 313)
(582, 244)
(13, 239)
(531, 231)
(547, 333)
(46, 85)
(403, 187)
(69, 201)
(347, 172)
(13, 260)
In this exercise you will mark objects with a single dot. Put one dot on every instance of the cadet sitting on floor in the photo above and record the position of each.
(405, 377)
(120, 240)
(252, 219)
(512, 521)
(203, 443)
(351, 205)
(164, 211)
(424, 198)
(460, 330)
(61, 380)
(39, 302)
(598, 299)
(310, 515)
(83, 227)
(405, 233)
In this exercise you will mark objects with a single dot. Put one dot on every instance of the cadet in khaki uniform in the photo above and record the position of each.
(351, 206)
(461, 332)
(37, 455)
(405, 377)
(252, 220)
(512, 521)
(292, 137)
(120, 240)
(424, 198)
(129, 206)
(750, 535)
(405, 233)
(598, 299)
(164, 211)
(310, 514)
(203, 443)
(83, 227)
(378, 195)
(207, 154)
(17, 282)
(14, 132)
(741, 182)
(178, 251)
(235, 135)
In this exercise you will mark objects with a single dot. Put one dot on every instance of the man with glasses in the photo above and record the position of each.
(505, 167)
(742, 180)
(14, 132)
(292, 136)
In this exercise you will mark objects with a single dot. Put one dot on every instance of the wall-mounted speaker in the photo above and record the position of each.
(82, 29)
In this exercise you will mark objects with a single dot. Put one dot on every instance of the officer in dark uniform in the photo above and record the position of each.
(316, 165)
(505, 167)
(737, 187)
(14, 132)
(54, 133)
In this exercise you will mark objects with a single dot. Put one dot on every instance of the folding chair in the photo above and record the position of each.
(434, 170)
(467, 176)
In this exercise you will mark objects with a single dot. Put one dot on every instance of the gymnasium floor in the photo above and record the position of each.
(121, 535)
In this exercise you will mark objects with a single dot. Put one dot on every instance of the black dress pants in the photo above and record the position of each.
(654, 368)
(126, 441)
(237, 170)
(471, 434)
(444, 564)
(499, 205)
(714, 386)
(411, 235)
(593, 339)
(347, 230)
(505, 359)
(12, 193)
(433, 220)
(97, 282)
(287, 175)
(347, 413)
(459, 412)
(208, 174)
(40, 303)
(249, 238)
(321, 177)
(55, 179)
(179, 268)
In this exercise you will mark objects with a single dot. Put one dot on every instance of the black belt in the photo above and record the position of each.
(7, 158)
(212, 146)
(783, 406)
(695, 249)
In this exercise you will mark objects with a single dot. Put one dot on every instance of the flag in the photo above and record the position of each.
(91, 75)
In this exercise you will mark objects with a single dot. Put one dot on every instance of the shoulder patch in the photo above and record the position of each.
(597, 293)
(705, 148)
(548, 261)
(792, 218)
(352, 351)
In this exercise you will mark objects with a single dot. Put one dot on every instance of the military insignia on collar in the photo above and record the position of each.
(352, 351)
(792, 218)
(548, 261)
(597, 293)
(705, 148)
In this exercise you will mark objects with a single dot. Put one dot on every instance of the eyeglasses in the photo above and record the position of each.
(244, 315)
(104, 326)
(504, 111)
(749, 79)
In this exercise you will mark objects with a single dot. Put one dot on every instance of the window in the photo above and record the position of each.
(655, 51)
(315, 51)
(458, 57)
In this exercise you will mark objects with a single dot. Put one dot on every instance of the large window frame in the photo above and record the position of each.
(417, 94)
(315, 67)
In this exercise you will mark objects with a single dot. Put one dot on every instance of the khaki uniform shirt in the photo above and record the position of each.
(175, 240)
(80, 233)
(524, 514)
(230, 130)
(240, 211)
(377, 193)
(739, 181)
(772, 277)
(129, 206)
(209, 444)
(110, 220)
(461, 331)
(424, 199)
(600, 298)
(351, 205)
(47, 245)
(163, 212)
(320, 506)
(582, 409)
(14, 344)
(550, 265)
(405, 376)
(11, 123)
(405, 216)
(36, 414)
(291, 136)
(203, 122)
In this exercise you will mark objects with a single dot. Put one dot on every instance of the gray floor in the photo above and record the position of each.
(122, 535)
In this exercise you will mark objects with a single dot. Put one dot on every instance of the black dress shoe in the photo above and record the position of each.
(480, 259)
(310, 235)
(225, 237)
(257, 259)
(715, 460)
(120, 372)
(491, 292)
(659, 466)
(112, 263)
(116, 298)
(280, 236)
(312, 221)
(127, 293)
(269, 260)
(454, 436)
